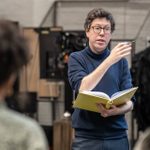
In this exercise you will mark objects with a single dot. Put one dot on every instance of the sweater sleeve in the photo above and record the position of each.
(126, 80)
(76, 70)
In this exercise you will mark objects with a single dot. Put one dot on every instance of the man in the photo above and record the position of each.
(17, 132)
(96, 68)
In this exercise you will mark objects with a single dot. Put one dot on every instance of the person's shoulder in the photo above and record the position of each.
(13, 121)
(17, 119)
(24, 128)
(77, 53)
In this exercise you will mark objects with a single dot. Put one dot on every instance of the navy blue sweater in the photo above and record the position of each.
(91, 124)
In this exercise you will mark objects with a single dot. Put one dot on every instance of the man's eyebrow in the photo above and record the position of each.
(100, 25)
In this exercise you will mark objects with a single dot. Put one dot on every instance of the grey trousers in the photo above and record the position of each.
(80, 143)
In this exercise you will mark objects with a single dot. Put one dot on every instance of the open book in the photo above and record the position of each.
(88, 99)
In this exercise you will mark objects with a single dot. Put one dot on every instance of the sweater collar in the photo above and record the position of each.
(104, 53)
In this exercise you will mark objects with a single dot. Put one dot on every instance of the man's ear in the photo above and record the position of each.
(87, 34)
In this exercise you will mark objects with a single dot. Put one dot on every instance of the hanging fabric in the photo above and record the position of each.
(141, 78)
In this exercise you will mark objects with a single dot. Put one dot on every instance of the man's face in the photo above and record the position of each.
(99, 34)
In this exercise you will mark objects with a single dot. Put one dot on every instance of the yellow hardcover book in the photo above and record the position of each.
(88, 99)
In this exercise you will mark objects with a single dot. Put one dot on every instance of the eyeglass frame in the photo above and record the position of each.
(106, 29)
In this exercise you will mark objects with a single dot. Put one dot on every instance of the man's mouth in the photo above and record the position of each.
(100, 41)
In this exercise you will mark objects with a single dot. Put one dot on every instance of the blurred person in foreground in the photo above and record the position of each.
(17, 132)
(97, 68)
(143, 143)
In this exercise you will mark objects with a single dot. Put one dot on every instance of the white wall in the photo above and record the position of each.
(17, 10)
(41, 7)
(28, 13)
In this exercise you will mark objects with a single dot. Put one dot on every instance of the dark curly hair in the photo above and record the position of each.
(14, 51)
(98, 13)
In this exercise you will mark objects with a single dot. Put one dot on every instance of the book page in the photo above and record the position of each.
(96, 93)
(120, 93)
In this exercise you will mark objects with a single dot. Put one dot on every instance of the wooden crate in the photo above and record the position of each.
(62, 134)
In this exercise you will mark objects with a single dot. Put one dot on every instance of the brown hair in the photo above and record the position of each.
(98, 13)
(14, 52)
